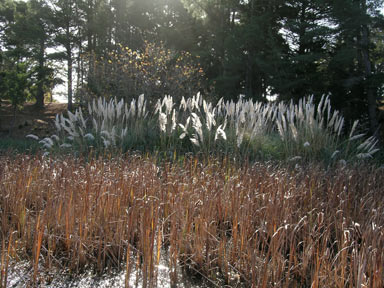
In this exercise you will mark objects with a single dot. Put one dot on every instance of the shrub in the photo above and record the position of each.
(154, 71)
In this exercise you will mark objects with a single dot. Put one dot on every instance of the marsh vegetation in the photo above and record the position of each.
(256, 225)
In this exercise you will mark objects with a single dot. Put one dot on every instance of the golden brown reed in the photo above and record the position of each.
(260, 225)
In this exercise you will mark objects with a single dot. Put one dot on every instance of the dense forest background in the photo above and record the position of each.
(262, 49)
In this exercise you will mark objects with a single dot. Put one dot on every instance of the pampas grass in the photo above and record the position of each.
(242, 129)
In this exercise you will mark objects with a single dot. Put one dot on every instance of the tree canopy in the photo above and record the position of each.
(288, 49)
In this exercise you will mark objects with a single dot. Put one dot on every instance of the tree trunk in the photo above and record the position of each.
(69, 67)
(370, 90)
(302, 29)
(12, 128)
(40, 77)
(90, 41)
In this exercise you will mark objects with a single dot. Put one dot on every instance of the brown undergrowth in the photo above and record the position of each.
(260, 225)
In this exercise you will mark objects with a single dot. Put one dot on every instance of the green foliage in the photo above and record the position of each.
(26, 35)
(15, 84)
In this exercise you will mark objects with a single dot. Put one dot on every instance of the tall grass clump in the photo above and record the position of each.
(312, 131)
(260, 225)
(111, 125)
(241, 129)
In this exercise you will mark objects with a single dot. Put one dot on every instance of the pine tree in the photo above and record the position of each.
(352, 64)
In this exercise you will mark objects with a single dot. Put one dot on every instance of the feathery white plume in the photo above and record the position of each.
(65, 145)
(220, 133)
(32, 136)
(89, 136)
(162, 121)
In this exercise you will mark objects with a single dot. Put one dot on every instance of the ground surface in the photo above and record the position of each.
(29, 120)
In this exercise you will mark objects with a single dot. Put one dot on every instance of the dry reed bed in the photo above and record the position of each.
(262, 225)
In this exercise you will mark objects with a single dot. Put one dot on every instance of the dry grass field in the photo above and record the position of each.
(259, 225)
